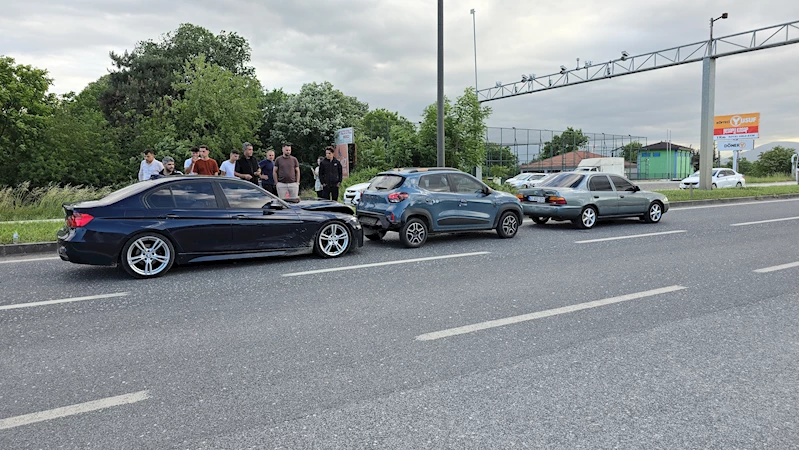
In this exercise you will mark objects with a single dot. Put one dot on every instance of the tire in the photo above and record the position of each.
(540, 220)
(508, 225)
(739, 185)
(147, 255)
(587, 219)
(654, 213)
(376, 236)
(333, 240)
(713, 186)
(414, 233)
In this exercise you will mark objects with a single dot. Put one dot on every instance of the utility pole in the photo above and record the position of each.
(474, 26)
(440, 119)
(706, 144)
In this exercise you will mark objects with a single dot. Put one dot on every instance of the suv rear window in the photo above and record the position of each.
(386, 182)
(565, 180)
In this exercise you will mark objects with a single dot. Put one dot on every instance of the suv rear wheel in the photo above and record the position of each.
(414, 233)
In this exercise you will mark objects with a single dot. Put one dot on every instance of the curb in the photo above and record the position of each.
(24, 249)
(715, 201)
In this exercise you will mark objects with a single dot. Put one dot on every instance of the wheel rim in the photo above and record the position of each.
(510, 224)
(655, 212)
(334, 239)
(415, 233)
(148, 256)
(589, 217)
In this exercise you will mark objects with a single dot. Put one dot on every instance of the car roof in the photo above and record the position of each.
(410, 170)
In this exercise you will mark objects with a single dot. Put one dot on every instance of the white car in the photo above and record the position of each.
(525, 180)
(352, 196)
(722, 178)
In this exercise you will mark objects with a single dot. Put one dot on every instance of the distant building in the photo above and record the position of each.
(664, 161)
(567, 162)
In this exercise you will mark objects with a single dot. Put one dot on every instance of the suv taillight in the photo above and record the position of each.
(397, 197)
(77, 220)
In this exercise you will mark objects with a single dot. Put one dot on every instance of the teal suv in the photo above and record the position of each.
(418, 202)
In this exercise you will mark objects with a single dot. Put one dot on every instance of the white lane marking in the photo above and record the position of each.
(759, 202)
(71, 410)
(630, 236)
(764, 221)
(387, 263)
(11, 261)
(63, 300)
(541, 314)
(776, 268)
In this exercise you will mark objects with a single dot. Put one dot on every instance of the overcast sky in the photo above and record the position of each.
(384, 53)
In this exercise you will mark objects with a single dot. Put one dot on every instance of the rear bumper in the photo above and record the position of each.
(74, 247)
(556, 212)
(375, 221)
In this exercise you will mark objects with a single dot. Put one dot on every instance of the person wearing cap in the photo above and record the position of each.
(169, 167)
(149, 166)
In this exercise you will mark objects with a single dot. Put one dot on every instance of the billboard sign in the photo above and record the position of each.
(740, 146)
(736, 126)
(344, 136)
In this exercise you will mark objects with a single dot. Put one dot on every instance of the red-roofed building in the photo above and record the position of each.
(567, 162)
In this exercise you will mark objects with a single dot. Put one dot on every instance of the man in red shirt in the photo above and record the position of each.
(204, 165)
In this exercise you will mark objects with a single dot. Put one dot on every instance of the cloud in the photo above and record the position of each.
(384, 53)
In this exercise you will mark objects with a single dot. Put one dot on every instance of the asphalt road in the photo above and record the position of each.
(684, 346)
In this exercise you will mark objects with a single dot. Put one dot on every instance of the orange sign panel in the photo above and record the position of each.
(737, 126)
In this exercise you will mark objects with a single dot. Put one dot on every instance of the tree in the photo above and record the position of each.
(630, 151)
(310, 118)
(500, 160)
(151, 70)
(774, 161)
(218, 108)
(569, 141)
(403, 146)
(26, 110)
(464, 132)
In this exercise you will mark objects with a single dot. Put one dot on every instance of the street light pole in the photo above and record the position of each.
(474, 26)
(706, 144)
(440, 118)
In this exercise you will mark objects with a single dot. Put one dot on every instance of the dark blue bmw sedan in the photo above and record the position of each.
(147, 227)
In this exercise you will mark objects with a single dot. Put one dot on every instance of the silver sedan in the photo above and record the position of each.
(585, 198)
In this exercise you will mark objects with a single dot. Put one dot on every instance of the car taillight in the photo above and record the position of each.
(520, 196)
(77, 220)
(397, 197)
(557, 200)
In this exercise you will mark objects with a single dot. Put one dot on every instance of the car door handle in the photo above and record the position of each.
(240, 216)
(171, 216)
(621, 196)
(596, 196)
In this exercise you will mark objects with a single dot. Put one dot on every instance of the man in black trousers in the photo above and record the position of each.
(330, 175)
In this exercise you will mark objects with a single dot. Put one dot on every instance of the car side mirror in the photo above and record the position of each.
(636, 188)
(487, 190)
(274, 204)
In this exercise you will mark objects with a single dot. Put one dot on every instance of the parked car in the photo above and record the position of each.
(147, 227)
(525, 180)
(585, 197)
(418, 202)
(721, 178)
(352, 196)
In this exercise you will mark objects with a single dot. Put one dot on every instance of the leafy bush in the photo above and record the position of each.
(500, 187)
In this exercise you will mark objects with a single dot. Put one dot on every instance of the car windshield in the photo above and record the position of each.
(386, 182)
(568, 180)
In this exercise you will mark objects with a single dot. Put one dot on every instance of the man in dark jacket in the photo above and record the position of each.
(330, 175)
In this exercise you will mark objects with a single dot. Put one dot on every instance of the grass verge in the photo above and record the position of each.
(29, 232)
(25, 203)
(770, 179)
(677, 195)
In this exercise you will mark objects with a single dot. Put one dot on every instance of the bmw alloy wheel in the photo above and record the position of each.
(334, 240)
(148, 255)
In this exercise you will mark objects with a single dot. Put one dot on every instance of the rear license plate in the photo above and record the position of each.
(533, 198)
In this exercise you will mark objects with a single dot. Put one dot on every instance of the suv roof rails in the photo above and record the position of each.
(423, 169)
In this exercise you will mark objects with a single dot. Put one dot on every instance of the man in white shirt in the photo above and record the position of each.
(228, 168)
(150, 166)
(195, 155)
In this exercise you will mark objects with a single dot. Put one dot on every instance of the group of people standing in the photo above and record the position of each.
(279, 176)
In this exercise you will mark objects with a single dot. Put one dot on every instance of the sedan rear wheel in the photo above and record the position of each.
(587, 218)
(333, 240)
(147, 255)
(508, 225)
(739, 185)
(654, 213)
(414, 233)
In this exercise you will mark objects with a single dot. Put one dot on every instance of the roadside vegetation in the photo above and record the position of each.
(776, 178)
(677, 195)
(29, 232)
(25, 203)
